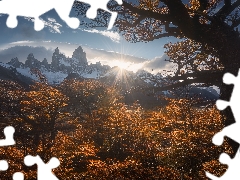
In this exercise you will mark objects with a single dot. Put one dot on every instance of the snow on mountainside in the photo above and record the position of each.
(62, 67)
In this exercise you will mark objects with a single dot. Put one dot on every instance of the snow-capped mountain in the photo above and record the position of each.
(61, 67)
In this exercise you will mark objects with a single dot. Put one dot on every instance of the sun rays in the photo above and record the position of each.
(122, 77)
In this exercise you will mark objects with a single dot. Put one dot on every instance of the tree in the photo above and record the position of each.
(86, 96)
(213, 25)
(11, 95)
(42, 116)
(194, 61)
(108, 139)
(86, 99)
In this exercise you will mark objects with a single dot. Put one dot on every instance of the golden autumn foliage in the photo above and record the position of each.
(86, 96)
(192, 57)
(209, 47)
(109, 139)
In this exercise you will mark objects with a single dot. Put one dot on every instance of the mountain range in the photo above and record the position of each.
(133, 85)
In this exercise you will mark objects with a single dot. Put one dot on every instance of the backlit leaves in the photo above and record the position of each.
(108, 138)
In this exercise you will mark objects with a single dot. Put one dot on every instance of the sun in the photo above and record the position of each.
(122, 65)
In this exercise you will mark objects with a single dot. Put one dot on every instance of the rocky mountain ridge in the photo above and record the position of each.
(62, 67)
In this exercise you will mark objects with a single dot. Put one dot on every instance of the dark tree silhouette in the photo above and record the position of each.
(212, 23)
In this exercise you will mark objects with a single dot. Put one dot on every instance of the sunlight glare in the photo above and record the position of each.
(122, 64)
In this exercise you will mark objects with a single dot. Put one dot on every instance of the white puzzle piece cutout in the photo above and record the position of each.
(231, 131)
(8, 132)
(36, 8)
(18, 176)
(44, 171)
(232, 172)
(101, 4)
(3, 165)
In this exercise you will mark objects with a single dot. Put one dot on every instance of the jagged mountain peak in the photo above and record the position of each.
(62, 67)
(57, 51)
(15, 62)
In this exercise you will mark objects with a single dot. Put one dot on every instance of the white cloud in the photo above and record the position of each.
(114, 36)
(51, 23)
(21, 52)
(158, 64)
(52, 20)
(21, 42)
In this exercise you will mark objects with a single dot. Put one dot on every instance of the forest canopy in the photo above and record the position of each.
(96, 135)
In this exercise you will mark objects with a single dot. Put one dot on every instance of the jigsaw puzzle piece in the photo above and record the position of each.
(112, 20)
(63, 9)
(44, 171)
(233, 172)
(35, 9)
(229, 131)
(221, 104)
(3, 165)
(235, 98)
(8, 132)
(18, 176)
(229, 78)
(101, 4)
(38, 24)
(12, 21)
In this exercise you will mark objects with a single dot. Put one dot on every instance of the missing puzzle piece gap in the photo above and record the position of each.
(44, 171)
(3, 165)
(231, 131)
(18, 176)
(8, 132)
(35, 9)
(232, 172)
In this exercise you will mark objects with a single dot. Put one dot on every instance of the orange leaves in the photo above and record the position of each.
(142, 28)
(215, 167)
(86, 96)
(110, 139)
(195, 5)
(192, 57)
(149, 4)
(44, 98)
(172, 135)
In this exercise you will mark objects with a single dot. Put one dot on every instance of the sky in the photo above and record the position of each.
(99, 44)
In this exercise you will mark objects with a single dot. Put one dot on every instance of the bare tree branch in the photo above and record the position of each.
(180, 17)
(227, 9)
(203, 4)
(147, 13)
(165, 35)
(200, 75)
(187, 82)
